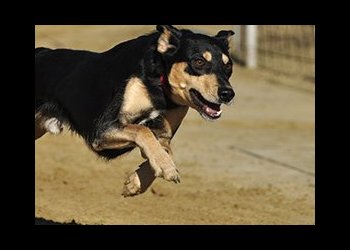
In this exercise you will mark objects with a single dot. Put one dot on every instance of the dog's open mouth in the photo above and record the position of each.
(207, 109)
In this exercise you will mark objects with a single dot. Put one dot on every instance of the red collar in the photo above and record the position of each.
(164, 80)
(164, 83)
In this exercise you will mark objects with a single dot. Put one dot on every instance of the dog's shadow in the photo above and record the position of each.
(42, 221)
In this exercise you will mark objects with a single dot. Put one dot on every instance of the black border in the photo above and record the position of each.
(178, 15)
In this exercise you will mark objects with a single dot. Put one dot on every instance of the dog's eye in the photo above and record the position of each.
(199, 62)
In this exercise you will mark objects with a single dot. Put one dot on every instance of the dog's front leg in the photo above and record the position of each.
(140, 180)
(161, 163)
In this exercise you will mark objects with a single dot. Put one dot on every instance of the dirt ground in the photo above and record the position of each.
(255, 165)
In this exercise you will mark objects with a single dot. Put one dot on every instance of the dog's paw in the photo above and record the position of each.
(171, 174)
(139, 181)
(132, 185)
(164, 167)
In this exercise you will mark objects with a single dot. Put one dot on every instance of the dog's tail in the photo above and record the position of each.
(40, 51)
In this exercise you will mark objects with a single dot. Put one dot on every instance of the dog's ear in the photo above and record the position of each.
(169, 39)
(224, 36)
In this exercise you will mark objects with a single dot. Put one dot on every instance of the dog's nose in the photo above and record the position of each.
(226, 94)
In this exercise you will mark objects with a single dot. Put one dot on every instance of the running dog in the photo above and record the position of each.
(134, 95)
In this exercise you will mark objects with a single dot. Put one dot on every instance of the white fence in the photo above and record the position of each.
(284, 49)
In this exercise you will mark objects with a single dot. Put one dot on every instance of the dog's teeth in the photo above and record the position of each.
(211, 111)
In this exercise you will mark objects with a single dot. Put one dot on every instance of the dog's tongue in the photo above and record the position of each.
(211, 112)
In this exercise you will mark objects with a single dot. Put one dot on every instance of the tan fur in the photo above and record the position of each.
(174, 117)
(181, 82)
(163, 41)
(136, 99)
(225, 59)
(208, 56)
(133, 134)
(171, 121)
(138, 181)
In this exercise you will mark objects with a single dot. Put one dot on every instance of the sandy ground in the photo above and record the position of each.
(255, 165)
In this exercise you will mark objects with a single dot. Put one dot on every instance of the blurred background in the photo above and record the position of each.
(255, 165)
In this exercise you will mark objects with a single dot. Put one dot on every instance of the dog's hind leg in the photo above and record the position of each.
(39, 131)
(139, 181)
(53, 126)
(43, 125)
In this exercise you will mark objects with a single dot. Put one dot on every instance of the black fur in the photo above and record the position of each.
(85, 89)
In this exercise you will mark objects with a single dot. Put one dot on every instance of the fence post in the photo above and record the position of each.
(251, 45)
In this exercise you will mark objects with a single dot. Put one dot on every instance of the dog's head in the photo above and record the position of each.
(198, 68)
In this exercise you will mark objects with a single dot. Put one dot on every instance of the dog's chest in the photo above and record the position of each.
(137, 106)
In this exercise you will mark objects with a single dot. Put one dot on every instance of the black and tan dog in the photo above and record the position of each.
(134, 95)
